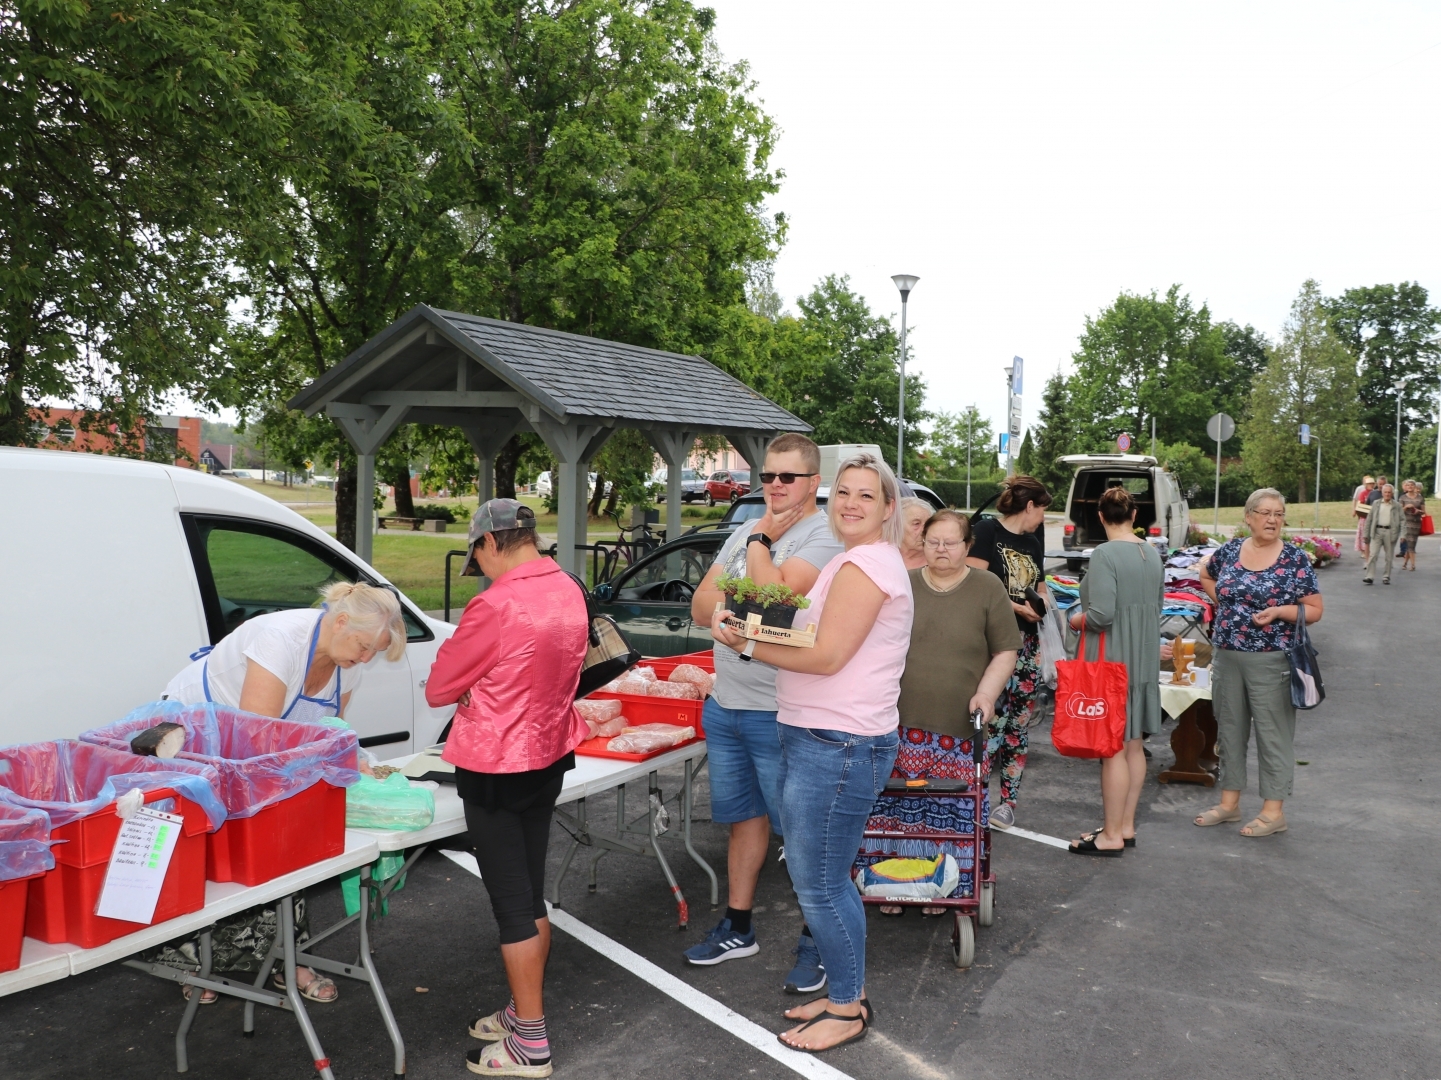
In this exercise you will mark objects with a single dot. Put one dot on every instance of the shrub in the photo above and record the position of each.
(953, 492)
(427, 512)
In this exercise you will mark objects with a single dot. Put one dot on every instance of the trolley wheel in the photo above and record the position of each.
(963, 941)
(987, 915)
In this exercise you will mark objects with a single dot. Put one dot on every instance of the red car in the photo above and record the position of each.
(728, 485)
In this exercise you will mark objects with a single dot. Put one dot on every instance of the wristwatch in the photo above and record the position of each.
(749, 651)
(760, 538)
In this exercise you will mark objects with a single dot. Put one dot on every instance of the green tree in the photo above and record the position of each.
(1148, 356)
(1309, 378)
(1194, 470)
(950, 436)
(1418, 457)
(1392, 329)
(1246, 347)
(1026, 456)
(1056, 433)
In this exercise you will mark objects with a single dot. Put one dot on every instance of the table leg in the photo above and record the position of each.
(373, 977)
(276, 951)
(575, 842)
(1206, 721)
(682, 908)
(285, 912)
(1187, 743)
(685, 817)
(182, 1058)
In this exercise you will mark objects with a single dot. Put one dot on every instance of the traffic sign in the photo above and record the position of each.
(1123, 442)
(1005, 444)
(1220, 427)
(1305, 434)
(1017, 364)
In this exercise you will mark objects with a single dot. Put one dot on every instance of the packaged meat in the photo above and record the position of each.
(645, 740)
(598, 711)
(608, 729)
(674, 690)
(631, 685)
(643, 672)
(591, 727)
(688, 673)
(677, 732)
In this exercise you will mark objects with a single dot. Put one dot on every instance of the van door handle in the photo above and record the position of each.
(674, 623)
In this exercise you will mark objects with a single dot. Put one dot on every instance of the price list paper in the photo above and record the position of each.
(138, 864)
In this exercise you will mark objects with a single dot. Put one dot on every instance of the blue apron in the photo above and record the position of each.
(303, 708)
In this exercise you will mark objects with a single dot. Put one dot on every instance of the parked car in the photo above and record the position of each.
(650, 601)
(728, 485)
(692, 485)
(544, 485)
(1160, 507)
(129, 567)
(751, 506)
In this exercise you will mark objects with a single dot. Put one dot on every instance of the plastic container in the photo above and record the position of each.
(24, 856)
(283, 784)
(664, 665)
(641, 709)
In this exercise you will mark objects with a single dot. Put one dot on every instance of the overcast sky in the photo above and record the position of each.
(1031, 161)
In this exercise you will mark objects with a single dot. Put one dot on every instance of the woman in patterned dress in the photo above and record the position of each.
(964, 642)
(1413, 508)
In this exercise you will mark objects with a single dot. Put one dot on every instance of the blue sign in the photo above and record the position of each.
(1016, 365)
(1305, 434)
(1005, 444)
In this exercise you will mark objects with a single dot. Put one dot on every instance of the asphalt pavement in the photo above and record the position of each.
(1199, 954)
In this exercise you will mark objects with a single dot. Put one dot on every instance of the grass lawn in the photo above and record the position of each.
(1335, 516)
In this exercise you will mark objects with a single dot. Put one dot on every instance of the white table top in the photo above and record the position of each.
(41, 963)
(591, 776)
(1177, 699)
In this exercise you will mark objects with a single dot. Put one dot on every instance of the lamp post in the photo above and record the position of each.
(971, 415)
(904, 282)
(1400, 385)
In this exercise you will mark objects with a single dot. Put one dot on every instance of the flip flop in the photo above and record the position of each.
(1215, 816)
(828, 1015)
(1086, 845)
(868, 1012)
(1262, 826)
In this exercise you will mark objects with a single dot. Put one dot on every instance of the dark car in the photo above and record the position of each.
(650, 601)
(749, 507)
(728, 485)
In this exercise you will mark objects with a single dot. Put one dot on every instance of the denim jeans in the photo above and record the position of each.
(829, 783)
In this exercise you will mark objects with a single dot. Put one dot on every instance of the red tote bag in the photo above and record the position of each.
(1428, 527)
(1090, 705)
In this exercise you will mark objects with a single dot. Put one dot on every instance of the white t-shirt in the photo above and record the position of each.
(278, 642)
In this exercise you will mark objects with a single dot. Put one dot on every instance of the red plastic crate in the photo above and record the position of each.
(639, 709)
(598, 748)
(285, 836)
(664, 665)
(12, 920)
(61, 903)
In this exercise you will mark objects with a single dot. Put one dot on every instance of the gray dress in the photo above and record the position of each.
(1121, 595)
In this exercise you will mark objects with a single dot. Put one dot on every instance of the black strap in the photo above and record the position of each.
(590, 612)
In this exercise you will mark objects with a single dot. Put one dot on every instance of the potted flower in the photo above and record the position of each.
(776, 604)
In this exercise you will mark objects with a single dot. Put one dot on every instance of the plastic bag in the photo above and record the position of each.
(647, 738)
(24, 842)
(644, 672)
(609, 729)
(630, 685)
(260, 760)
(674, 690)
(388, 804)
(1052, 648)
(914, 879)
(689, 673)
(70, 780)
(382, 869)
(598, 711)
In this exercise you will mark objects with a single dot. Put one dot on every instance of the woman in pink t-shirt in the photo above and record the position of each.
(838, 725)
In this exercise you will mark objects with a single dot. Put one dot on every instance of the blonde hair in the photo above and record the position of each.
(1260, 495)
(368, 609)
(893, 529)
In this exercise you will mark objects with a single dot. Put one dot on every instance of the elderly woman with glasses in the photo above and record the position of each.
(1260, 585)
(964, 642)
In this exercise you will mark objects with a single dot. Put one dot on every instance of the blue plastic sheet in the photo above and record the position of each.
(70, 780)
(24, 842)
(260, 760)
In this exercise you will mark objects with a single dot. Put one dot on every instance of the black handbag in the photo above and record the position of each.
(1307, 690)
(609, 655)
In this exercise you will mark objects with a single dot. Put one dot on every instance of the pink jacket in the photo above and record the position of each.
(518, 650)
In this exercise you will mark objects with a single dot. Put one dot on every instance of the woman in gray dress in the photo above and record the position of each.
(1121, 597)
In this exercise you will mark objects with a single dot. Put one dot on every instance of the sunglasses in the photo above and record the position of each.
(783, 477)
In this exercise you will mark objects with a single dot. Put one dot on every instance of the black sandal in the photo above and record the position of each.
(1128, 841)
(1086, 845)
(868, 1012)
(828, 1015)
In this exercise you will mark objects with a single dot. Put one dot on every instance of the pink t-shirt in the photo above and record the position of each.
(860, 698)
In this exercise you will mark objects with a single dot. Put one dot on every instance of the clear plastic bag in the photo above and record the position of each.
(70, 780)
(391, 803)
(686, 690)
(598, 711)
(1052, 648)
(24, 842)
(648, 738)
(260, 760)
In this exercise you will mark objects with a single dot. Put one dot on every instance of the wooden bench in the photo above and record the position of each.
(413, 524)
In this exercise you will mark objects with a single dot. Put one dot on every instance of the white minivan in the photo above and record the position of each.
(115, 571)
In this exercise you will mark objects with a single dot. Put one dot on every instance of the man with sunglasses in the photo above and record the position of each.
(789, 544)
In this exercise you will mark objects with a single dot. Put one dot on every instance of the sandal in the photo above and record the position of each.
(490, 1028)
(1126, 841)
(933, 912)
(207, 996)
(828, 1015)
(1086, 845)
(1264, 826)
(1215, 816)
(495, 1060)
(868, 1012)
(311, 991)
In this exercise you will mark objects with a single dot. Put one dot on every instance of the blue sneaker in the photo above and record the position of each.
(809, 974)
(721, 944)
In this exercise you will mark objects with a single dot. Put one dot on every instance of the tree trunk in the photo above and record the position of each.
(1301, 492)
(614, 498)
(400, 480)
(345, 504)
(597, 495)
(505, 465)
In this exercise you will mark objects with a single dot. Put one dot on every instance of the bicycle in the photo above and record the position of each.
(634, 543)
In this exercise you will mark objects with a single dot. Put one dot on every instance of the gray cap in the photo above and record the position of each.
(497, 515)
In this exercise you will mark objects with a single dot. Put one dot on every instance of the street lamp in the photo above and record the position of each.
(1400, 385)
(904, 282)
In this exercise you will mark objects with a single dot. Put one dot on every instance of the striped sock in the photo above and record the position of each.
(508, 1017)
(527, 1041)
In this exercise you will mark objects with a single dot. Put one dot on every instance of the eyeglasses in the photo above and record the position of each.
(944, 545)
(1271, 515)
(783, 477)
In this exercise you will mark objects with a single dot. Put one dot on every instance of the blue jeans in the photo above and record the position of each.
(829, 783)
(744, 748)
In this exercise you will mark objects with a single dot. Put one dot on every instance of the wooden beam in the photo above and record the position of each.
(446, 399)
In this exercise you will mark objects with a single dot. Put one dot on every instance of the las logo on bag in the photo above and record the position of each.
(1090, 705)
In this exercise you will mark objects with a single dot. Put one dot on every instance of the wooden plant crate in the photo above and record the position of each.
(754, 629)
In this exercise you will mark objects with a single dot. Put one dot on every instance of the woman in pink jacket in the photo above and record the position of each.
(513, 666)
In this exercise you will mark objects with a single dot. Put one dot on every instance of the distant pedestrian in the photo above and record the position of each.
(1413, 509)
(1383, 529)
(1374, 495)
(917, 512)
(1360, 508)
(1010, 547)
(1259, 585)
(1121, 600)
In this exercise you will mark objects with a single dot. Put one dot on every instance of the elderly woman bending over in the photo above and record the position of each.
(838, 718)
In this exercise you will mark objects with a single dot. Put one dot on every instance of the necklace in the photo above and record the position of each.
(926, 574)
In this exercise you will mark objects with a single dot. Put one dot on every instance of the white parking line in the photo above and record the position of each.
(1040, 838)
(702, 1004)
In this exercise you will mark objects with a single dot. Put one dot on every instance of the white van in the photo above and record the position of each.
(115, 571)
(1160, 507)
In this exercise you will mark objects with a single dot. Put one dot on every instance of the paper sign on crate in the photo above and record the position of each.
(754, 629)
(138, 864)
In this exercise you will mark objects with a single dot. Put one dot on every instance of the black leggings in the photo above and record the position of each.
(510, 845)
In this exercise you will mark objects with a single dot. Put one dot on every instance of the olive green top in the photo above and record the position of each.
(953, 637)
(1121, 595)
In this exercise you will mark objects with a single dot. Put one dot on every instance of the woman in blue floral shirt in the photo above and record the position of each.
(1259, 584)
